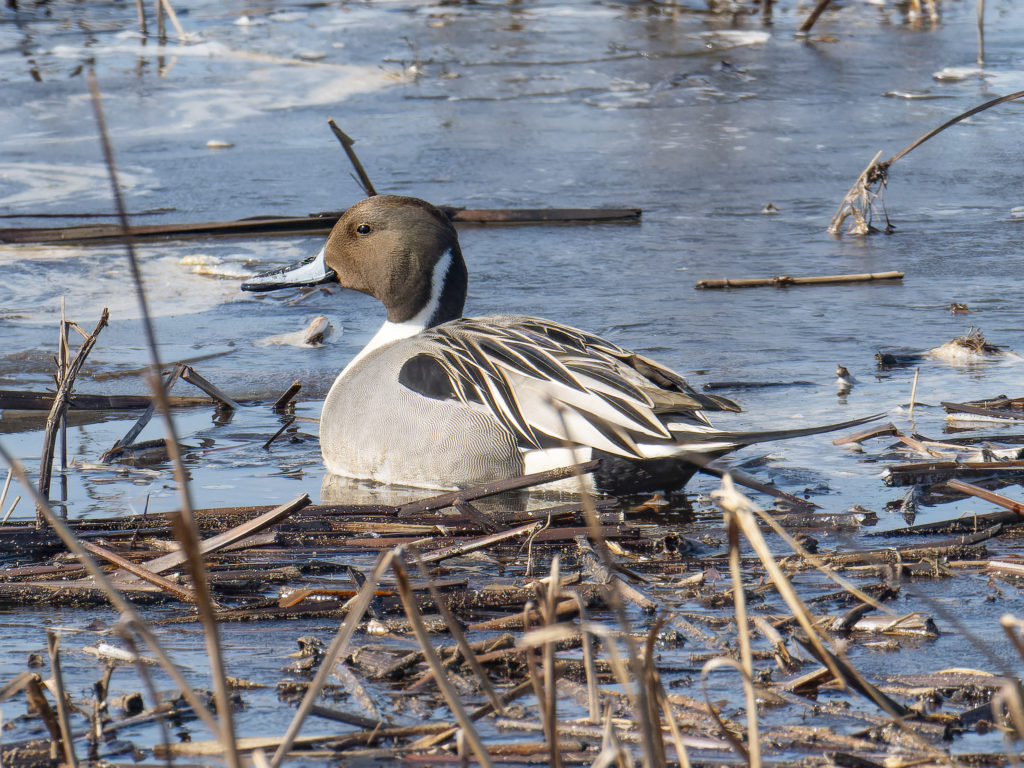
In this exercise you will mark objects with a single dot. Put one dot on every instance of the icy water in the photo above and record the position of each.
(702, 120)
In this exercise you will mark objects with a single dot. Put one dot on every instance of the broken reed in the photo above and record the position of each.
(859, 202)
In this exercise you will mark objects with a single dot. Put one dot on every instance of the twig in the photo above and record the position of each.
(782, 281)
(60, 401)
(490, 489)
(346, 144)
(287, 423)
(143, 573)
(146, 416)
(813, 17)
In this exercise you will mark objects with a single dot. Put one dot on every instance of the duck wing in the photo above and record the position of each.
(550, 382)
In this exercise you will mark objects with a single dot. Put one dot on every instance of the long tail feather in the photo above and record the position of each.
(693, 441)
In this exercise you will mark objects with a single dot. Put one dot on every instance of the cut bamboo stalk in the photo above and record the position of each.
(783, 281)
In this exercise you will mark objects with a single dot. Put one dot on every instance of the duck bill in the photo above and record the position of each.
(311, 271)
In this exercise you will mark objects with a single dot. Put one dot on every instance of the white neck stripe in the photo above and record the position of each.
(391, 332)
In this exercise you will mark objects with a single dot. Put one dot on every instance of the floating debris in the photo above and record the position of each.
(972, 348)
(313, 335)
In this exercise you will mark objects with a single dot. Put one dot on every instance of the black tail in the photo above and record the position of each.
(699, 441)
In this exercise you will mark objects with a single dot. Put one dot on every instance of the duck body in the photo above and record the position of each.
(440, 401)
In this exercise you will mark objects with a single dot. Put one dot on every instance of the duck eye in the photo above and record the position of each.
(363, 229)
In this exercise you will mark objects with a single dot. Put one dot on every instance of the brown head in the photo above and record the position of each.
(401, 250)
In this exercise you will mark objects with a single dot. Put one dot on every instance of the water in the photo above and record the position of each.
(699, 119)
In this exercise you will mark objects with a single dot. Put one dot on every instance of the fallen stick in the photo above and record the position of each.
(144, 419)
(143, 573)
(783, 281)
(221, 540)
(998, 413)
(319, 224)
(938, 471)
(1015, 507)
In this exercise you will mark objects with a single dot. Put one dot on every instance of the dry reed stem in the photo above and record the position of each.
(440, 675)
(1012, 626)
(356, 608)
(37, 702)
(548, 597)
(142, 669)
(468, 655)
(593, 695)
(613, 598)
(60, 696)
(859, 200)
(183, 521)
(730, 736)
(736, 503)
(682, 755)
(7, 485)
(820, 564)
(115, 597)
(743, 633)
(63, 353)
(652, 683)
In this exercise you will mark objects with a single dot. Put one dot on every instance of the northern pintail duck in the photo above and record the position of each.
(441, 401)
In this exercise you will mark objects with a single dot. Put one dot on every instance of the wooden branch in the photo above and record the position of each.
(59, 406)
(143, 573)
(22, 400)
(299, 225)
(289, 394)
(221, 540)
(782, 281)
(193, 378)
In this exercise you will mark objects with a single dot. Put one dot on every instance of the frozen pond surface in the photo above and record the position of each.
(699, 119)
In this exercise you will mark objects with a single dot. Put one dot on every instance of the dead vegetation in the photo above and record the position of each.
(868, 191)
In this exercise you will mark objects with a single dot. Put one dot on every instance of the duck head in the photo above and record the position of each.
(401, 250)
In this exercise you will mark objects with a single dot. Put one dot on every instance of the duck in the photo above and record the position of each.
(437, 400)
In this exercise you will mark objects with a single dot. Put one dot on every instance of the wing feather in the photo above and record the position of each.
(539, 378)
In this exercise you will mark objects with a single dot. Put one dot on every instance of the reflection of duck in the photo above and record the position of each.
(438, 401)
(844, 380)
